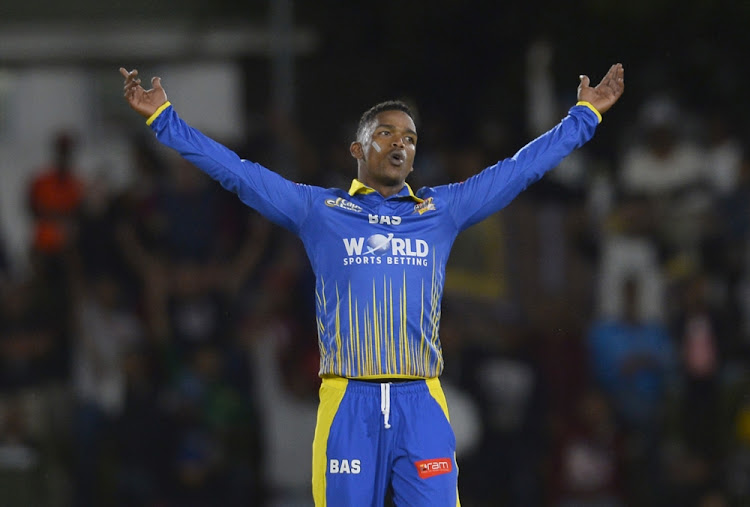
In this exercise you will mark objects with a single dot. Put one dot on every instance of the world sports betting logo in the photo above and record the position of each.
(385, 249)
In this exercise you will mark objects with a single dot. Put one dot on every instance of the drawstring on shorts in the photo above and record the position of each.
(385, 403)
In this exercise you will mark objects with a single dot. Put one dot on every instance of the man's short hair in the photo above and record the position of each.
(369, 115)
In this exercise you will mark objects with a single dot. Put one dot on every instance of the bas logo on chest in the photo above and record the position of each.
(383, 219)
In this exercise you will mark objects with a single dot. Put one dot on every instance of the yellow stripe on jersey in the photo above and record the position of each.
(392, 365)
(331, 393)
(403, 332)
(337, 331)
(424, 349)
(376, 331)
(371, 337)
(351, 349)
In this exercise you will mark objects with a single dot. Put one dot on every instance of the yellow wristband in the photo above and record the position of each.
(588, 104)
(162, 108)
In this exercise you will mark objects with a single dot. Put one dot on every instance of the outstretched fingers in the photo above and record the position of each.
(606, 92)
(156, 83)
(132, 82)
(614, 80)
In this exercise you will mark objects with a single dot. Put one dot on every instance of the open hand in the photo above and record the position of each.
(607, 92)
(145, 102)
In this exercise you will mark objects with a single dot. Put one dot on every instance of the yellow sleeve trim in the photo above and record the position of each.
(159, 111)
(588, 104)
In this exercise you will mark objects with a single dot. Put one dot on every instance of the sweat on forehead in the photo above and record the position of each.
(367, 120)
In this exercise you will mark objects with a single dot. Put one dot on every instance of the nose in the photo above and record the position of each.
(398, 142)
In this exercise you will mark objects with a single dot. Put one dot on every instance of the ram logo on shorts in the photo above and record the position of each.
(427, 468)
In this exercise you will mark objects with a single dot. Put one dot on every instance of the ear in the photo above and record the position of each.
(356, 150)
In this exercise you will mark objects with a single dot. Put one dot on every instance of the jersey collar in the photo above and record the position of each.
(360, 188)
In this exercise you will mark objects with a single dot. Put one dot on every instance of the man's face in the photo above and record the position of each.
(386, 152)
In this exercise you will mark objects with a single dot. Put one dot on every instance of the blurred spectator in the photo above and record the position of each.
(286, 382)
(140, 226)
(143, 437)
(628, 251)
(22, 460)
(190, 209)
(544, 108)
(667, 170)
(282, 346)
(462, 406)
(731, 255)
(214, 424)
(723, 153)
(195, 308)
(700, 333)
(633, 361)
(55, 196)
(565, 372)
(505, 379)
(589, 457)
(32, 349)
(189, 269)
(105, 330)
(96, 247)
(479, 282)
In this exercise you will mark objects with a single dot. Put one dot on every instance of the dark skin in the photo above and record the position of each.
(385, 158)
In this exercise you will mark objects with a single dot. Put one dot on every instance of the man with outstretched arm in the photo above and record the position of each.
(378, 251)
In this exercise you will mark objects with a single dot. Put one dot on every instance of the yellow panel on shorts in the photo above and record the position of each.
(332, 390)
(433, 384)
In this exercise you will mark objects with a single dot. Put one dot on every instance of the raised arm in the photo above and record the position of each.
(496, 186)
(276, 198)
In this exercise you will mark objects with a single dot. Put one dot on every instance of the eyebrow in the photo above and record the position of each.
(393, 127)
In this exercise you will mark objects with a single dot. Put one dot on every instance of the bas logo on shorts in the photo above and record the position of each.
(343, 466)
(431, 467)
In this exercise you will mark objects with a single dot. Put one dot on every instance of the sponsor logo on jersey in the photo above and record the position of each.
(342, 203)
(385, 249)
(427, 468)
(383, 219)
(344, 466)
(424, 206)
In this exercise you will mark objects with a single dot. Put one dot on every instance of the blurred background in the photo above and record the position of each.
(157, 338)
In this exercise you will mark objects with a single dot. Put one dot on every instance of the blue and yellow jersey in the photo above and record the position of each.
(379, 262)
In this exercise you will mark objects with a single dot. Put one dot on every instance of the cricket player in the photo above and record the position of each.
(378, 250)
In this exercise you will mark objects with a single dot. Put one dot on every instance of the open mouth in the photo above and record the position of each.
(397, 157)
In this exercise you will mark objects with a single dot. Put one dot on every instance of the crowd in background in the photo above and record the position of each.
(161, 348)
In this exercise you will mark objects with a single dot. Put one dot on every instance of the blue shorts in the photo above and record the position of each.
(371, 436)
